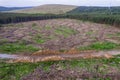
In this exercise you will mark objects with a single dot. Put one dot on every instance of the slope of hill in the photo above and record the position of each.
(103, 10)
(12, 8)
(49, 8)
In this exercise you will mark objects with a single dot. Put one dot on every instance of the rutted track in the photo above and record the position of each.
(34, 58)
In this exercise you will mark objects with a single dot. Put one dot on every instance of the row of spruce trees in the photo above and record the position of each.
(104, 19)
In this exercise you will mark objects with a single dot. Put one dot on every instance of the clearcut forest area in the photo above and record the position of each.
(60, 42)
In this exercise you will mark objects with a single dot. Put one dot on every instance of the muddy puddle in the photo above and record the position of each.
(8, 56)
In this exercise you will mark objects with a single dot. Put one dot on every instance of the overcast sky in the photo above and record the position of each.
(21, 3)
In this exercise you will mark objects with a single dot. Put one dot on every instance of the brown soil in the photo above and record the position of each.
(87, 33)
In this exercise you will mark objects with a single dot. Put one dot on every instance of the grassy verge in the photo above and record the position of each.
(101, 46)
(17, 47)
(15, 71)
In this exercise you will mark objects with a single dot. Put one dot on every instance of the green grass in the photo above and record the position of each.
(14, 71)
(39, 39)
(100, 46)
(65, 31)
(17, 47)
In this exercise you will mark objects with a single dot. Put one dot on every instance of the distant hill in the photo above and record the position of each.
(12, 8)
(49, 8)
(61, 9)
(101, 10)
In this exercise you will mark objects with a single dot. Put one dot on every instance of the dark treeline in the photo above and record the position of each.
(95, 9)
(105, 15)
(98, 18)
(16, 18)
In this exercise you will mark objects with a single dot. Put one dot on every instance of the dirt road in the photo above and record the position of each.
(34, 58)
